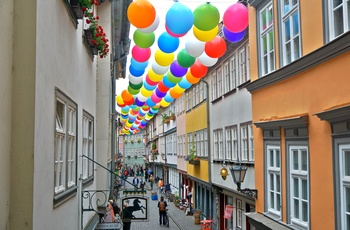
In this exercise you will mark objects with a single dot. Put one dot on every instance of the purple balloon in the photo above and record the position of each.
(160, 94)
(139, 103)
(233, 37)
(177, 70)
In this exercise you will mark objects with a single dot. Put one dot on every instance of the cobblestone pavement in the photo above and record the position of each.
(178, 219)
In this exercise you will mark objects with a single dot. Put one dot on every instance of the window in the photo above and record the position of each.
(88, 145)
(299, 189)
(250, 143)
(214, 88)
(273, 185)
(291, 45)
(228, 146)
(344, 163)
(239, 213)
(231, 147)
(218, 144)
(266, 33)
(338, 17)
(243, 75)
(219, 82)
(188, 100)
(65, 153)
(233, 73)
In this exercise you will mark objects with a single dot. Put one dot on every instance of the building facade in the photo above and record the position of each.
(300, 105)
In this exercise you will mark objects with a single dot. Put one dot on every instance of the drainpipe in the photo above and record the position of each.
(208, 131)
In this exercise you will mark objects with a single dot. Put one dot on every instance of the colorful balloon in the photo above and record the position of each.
(177, 70)
(136, 72)
(206, 17)
(205, 36)
(164, 103)
(141, 13)
(198, 70)
(138, 65)
(173, 34)
(135, 80)
(150, 82)
(216, 47)
(152, 27)
(184, 84)
(194, 47)
(191, 79)
(141, 54)
(168, 98)
(168, 43)
(163, 59)
(179, 18)
(154, 77)
(184, 59)
(162, 87)
(233, 37)
(158, 69)
(235, 18)
(207, 61)
(143, 40)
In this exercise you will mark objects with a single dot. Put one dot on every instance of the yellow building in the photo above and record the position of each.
(301, 110)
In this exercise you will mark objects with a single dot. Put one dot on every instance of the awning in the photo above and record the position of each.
(262, 222)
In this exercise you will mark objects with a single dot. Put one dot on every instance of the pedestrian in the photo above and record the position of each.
(162, 204)
(135, 182)
(109, 215)
(151, 180)
(160, 185)
(142, 184)
(115, 207)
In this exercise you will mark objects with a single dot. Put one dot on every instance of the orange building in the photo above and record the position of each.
(301, 110)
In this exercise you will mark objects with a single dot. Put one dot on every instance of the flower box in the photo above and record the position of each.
(77, 9)
(88, 39)
(194, 162)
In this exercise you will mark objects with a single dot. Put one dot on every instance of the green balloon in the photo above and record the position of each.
(206, 17)
(136, 86)
(143, 40)
(133, 91)
(172, 78)
(184, 59)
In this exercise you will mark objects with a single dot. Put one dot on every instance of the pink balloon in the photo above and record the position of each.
(173, 34)
(150, 82)
(236, 18)
(141, 54)
(155, 99)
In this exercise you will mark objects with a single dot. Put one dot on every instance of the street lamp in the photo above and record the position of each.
(238, 173)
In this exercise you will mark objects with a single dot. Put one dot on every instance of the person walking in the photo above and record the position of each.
(160, 185)
(151, 180)
(135, 182)
(162, 204)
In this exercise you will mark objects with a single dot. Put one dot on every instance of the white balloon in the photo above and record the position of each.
(194, 47)
(152, 27)
(206, 60)
(141, 97)
(158, 69)
(135, 80)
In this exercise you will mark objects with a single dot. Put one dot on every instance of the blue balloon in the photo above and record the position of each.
(179, 18)
(136, 72)
(233, 37)
(184, 84)
(148, 86)
(138, 65)
(168, 98)
(149, 102)
(168, 43)
(177, 70)
(167, 82)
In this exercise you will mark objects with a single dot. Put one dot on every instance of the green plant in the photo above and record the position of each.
(99, 37)
(87, 4)
(192, 155)
(165, 118)
(154, 146)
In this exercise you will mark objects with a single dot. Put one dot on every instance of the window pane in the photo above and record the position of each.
(296, 187)
(296, 208)
(304, 160)
(304, 210)
(278, 186)
(347, 201)
(347, 163)
(278, 202)
(338, 22)
(272, 200)
(272, 187)
(295, 20)
(295, 160)
(287, 29)
(278, 164)
(304, 189)
(271, 158)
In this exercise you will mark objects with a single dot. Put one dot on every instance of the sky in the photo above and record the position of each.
(161, 7)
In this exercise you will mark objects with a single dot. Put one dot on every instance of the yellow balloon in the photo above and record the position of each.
(178, 89)
(164, 103)
(145, 92)
(127, 124)
(154, 77)
(163, 59)
(120, 99)
(205, 36)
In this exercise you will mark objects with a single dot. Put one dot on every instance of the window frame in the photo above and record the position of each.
(88, 144)
(331, 22)
(64, 190)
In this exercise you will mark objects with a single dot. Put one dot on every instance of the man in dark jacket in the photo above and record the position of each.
(162, 204)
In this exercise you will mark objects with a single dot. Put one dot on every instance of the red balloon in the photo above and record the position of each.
(150, 82)
(198, 70)
(162, 88)
(215, 48)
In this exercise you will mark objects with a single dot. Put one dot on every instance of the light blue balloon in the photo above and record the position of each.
(138, 65)
(168, 43)
(148, 86)
(149, 102)
(167, 82)
(179, 18)
(168, 98)
(184, 84)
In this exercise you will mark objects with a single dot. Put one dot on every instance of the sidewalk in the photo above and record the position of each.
(178, 219)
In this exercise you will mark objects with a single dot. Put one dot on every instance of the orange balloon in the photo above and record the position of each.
(141, 13)
(126, 95)
(191, 79)
(174, 94)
